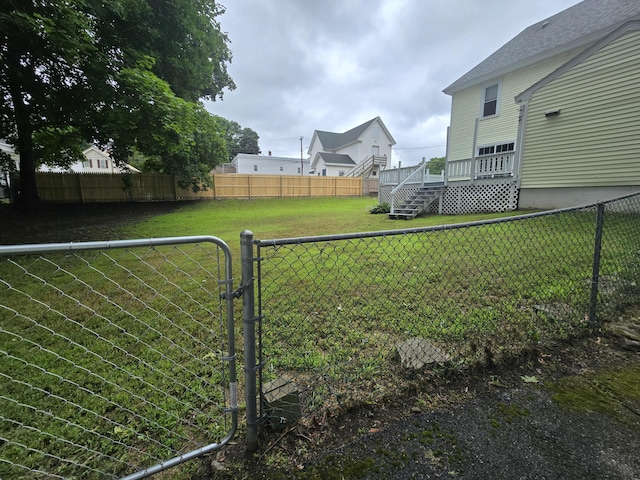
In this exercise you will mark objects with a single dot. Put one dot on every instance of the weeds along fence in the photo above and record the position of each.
(347, 319)
(116, 358)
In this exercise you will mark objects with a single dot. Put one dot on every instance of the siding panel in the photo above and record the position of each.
(596, 138)
(465, 109)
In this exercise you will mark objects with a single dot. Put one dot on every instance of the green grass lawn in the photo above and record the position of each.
(144, 321)
(280, 218)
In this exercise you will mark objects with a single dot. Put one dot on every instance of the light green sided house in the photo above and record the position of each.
(551, 119)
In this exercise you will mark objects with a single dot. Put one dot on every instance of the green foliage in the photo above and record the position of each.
(128, 73)
(436, 164)
(180, 137)
(380, 208)
(58, 146)
(238, 139)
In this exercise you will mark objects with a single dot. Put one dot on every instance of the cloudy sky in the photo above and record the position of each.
(305, 65)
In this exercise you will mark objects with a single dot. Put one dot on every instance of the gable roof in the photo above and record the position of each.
(577, 26)
(334, 141)
(631, 26)
(97, 151)
(336, 159)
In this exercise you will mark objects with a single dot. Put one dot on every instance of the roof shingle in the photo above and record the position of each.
(576, 26)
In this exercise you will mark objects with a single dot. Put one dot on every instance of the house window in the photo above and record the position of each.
(281, 168)
(490, 100)
(255, 168)
(341, 173)
(375, 132)
(102, 163)
(498, 148)
(374, 173)
(324, 172)
(87, 163)
(299, 171)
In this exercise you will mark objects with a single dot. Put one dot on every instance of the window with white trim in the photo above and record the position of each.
(496, 149)
(490, 100)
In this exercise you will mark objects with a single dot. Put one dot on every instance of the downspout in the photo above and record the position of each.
(446, 173)
(446, 160)
(522, 128)
(472, 173)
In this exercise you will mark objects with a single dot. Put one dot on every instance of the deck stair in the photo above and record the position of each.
(417, 202)
(366, 166)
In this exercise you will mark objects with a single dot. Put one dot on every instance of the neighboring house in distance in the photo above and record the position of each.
(6, 148)
(362, 151)
(4, 174)
(250, 164)
(96, 161)
(551, 119)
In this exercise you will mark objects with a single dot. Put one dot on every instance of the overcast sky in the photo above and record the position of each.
(305, 65)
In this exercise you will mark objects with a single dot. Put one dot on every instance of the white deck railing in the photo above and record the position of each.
(397, 176)
(486, 166)
(459, 169)
(416, 176)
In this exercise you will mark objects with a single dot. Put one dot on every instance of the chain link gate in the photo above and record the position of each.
(117, 359)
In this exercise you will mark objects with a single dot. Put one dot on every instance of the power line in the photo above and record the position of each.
(418, 148)
(280, 139)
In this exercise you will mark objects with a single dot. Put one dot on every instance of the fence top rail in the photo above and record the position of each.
(30, 249)
(455, 226)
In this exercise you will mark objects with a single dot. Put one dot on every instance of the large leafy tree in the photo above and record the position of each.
(436, 164)
(128, 73)
(239, 139)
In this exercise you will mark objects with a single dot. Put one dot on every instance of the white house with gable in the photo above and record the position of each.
(360, 152)
(95, 161)
(551, 118)
(250, 164)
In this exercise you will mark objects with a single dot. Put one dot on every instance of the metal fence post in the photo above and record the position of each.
(249, 329)
(595, 276)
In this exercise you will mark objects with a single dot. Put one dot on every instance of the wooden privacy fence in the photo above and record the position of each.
(152, 187)
(237, 185)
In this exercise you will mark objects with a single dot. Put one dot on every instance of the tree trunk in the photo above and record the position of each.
(27, 198)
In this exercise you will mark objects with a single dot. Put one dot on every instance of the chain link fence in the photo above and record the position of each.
(351, 319)
(115, 358)
(118, 358)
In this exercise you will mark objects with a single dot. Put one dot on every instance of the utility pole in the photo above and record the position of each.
(301, 161)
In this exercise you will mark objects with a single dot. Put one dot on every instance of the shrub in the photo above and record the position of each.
(380, 208)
